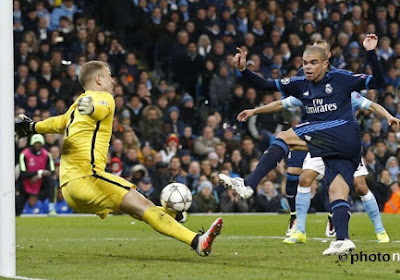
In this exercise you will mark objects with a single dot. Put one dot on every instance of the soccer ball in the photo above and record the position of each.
(176, 196)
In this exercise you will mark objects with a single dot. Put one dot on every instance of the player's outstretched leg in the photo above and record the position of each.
(237, 184)
(371, 207)
(202, 243)
(268, 161)
(137, 205)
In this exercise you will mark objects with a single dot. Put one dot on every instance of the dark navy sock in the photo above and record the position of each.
(268, 161)
(341, 216)
(292, 182)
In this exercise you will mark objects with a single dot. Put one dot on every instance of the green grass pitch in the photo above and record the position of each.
(250, 247)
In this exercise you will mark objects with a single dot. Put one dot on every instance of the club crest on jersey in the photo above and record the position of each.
(306, 93)
(328, 89)
(285, 81)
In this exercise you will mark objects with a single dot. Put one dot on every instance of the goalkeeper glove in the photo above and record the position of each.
(85, 105)
(24, 126)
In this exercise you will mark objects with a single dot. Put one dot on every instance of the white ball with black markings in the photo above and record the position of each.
(176, 196)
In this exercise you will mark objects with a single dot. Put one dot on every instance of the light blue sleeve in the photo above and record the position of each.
(291, 102)
(358, 101)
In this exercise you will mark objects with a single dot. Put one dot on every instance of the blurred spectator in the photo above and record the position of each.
(205, 79)
(248, 152)
(381, 189)
(116, 166)
(204, 45)
(186, 159)
(206, 168)
(220, 150)
(150, 125)
(61, 205)
(392, 165)
(188, 67)
(382, 153)
(206, 143)
(146, 188)
(373, 166)
(193, 175)
(67, 9)
(173, 119)
(231, 202)
(145, 151)
(214, 160)
(230, 140)
(393, 204)
(189, 114)
(171, 148)
(205, 199)
(130, 160)
(391, 142)
(176, 174)
(267, 197)
(187, 139)
(117, 148)
(130, 140)
(137, 172)
(160, 177)
(36, 183)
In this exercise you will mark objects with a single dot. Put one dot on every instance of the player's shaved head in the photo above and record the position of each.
(324, 44)
(89, 70)
(314, 50)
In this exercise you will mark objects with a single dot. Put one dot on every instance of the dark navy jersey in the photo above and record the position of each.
(329, 99)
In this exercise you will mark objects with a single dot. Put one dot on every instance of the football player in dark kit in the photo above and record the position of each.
(329, 129)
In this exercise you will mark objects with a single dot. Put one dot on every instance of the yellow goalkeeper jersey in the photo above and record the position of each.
(86, 137)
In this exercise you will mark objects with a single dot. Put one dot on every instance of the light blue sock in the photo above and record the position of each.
(371, 207)
(303, 201)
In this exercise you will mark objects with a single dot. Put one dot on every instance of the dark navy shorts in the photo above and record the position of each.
(296, 158)
(344, 167)
(338, 142)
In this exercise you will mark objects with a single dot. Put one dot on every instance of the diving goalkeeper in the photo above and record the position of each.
(87, 188)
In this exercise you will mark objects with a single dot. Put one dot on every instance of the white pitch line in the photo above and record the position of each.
(24, 278)
(164, 238)
(283, 237)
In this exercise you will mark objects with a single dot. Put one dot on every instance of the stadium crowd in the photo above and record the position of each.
(178, 93)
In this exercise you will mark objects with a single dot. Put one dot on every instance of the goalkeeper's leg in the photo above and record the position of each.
(136, 205)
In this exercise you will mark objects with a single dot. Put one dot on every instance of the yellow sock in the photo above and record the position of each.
(167, 225)
(170, 212)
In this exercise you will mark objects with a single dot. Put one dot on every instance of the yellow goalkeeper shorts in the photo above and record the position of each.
(98, 194)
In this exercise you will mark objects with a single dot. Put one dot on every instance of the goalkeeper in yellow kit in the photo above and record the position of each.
(87, 188)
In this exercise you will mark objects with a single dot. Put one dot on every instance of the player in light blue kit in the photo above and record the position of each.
(329, 131)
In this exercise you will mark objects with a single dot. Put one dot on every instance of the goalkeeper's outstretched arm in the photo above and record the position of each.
(25, 126)
(55, 124)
